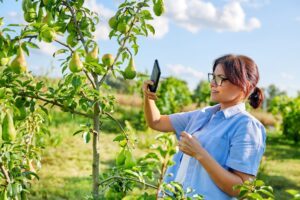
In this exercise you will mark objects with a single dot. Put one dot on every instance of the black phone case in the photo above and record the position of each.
(155, 75)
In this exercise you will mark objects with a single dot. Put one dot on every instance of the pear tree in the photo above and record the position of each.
(25, 100)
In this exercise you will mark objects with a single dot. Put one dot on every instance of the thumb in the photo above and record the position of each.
(185, 134)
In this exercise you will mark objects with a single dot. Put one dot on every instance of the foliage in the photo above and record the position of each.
(201, 94)
(254, 189)
(271, 92)
(20, 156)
(289, 108)
(173, 94)
(79, 92)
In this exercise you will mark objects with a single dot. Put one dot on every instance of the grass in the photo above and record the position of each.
(67, 161)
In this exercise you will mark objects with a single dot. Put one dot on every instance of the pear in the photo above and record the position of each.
(92, 56)
(75, 64)
(123, 27)
(48, 34)
(4, 61)
(108, 59)
(30, 15)
(19, 65)
(8, 128)
(159, 7)
(113, 23)
(130, 71)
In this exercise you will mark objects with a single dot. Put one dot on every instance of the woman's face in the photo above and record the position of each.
(227, 94)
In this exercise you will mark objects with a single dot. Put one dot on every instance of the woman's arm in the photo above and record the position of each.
(153, 117)
(223, 178)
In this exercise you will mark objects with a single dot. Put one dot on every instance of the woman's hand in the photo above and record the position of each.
(147, 93)
(189, 145)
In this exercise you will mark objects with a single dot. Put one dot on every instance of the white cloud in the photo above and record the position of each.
(102, 29)
(161, 26)
(195, 15)
(181, 70)
(47, 48)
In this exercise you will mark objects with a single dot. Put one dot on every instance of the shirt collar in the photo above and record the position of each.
(230, 111)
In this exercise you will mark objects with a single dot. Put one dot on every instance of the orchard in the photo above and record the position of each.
(26, 100)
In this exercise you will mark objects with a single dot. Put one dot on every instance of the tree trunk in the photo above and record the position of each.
(96, 146)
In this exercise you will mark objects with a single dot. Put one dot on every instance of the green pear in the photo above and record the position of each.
(30, 15)
(123, 27)
(113, 23)
(19, 65)
(159, 7)
(92, 56)
(8, 128)
(48, 34)
(108, 59)
(4, 61)
(75, 64)
(130, 71)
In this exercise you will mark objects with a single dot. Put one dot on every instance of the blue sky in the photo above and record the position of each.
(192, 33)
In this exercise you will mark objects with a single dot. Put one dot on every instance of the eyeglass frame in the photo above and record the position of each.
(214, 79)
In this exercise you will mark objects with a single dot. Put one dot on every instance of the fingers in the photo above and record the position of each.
(184, 134)
(147, 92)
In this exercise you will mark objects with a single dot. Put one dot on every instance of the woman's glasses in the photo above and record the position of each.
(218, 80)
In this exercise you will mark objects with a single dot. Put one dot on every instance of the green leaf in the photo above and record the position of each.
(60, 51)
(79, 131)
(119, 138)
(151, 28)
(86, 137)
(32, 45)
(146, 14)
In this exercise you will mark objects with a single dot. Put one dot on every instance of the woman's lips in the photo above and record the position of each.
(214, 92)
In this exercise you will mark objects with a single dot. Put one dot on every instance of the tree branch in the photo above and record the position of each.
(134, 180)
(118, 123)
(65, 45)
(80, 37)
(122, 46)
(22, 93)
(5, 173)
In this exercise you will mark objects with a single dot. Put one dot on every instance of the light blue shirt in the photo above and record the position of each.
(233, 137)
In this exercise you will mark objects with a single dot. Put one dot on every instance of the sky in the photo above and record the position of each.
(193, 33)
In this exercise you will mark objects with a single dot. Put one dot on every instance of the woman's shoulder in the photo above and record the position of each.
(247, 118)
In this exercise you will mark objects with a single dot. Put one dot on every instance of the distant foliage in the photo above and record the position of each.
(173, 95)
(289, 108)
(202, 93)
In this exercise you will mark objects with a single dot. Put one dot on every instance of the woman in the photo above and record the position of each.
(222, 145)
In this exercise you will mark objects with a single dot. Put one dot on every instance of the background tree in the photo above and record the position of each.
(173, 95)
(201, 94)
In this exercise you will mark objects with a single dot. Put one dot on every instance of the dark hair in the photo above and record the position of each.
(243, 72)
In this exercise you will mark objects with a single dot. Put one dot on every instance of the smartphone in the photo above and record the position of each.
(155, 75)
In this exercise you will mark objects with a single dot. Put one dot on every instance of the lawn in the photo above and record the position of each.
(66, 161)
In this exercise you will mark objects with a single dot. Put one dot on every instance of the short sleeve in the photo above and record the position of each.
(247, 147)
(180, 120)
